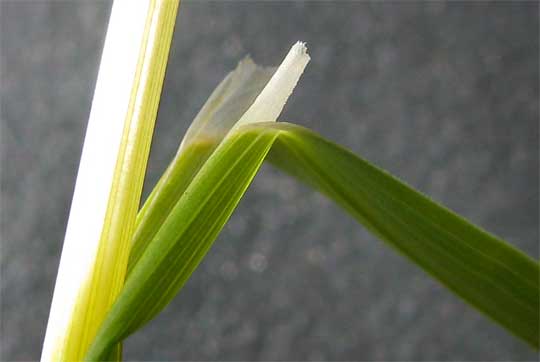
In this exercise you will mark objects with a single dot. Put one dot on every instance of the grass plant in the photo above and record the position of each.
(136, 264)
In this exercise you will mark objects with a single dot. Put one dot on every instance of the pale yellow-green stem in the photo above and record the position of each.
(111, 174)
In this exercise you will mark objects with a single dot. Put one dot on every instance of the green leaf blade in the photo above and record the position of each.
(490, 274)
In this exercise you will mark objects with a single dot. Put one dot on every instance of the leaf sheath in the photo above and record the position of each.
(185, 237)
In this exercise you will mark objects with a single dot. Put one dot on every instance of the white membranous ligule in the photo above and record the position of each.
(270, 102)
(249, 94)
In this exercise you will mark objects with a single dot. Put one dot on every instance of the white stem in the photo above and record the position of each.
(97, 166)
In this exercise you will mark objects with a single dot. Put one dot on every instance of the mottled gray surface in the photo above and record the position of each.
(443, 95)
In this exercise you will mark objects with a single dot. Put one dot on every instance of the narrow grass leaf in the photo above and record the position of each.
(484, 270)
(205, 181)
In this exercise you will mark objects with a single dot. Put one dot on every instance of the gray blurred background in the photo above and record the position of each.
(444, 95)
